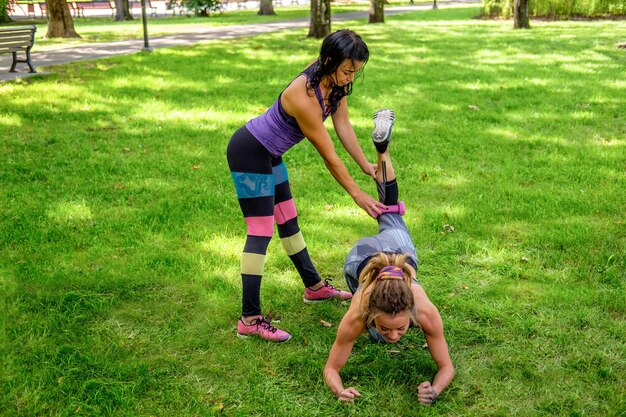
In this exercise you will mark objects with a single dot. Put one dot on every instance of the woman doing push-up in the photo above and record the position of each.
(387, 298)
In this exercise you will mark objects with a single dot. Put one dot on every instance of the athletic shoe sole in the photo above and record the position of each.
(248, 336)
(383, 123)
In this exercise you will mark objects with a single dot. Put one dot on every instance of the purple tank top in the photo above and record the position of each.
(276, 130)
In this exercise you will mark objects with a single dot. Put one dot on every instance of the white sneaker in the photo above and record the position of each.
(383, 123)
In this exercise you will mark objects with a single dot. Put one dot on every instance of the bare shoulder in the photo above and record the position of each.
(296, 99)
(352, 324)
(427, 313)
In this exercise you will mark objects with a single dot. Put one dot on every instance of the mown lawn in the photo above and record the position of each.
(120, 233)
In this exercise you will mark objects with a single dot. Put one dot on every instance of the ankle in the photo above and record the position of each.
(248, 320)
(316, 286)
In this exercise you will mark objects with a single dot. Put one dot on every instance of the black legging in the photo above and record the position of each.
(262, 186)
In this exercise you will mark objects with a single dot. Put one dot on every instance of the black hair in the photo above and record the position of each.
(337, 47)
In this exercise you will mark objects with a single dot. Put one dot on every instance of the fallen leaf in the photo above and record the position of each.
(326, 324)
(448, 228)
(465, 287)
(524, 259)
(425, 346)
(269, 316)
(195, 167)
(473, 107)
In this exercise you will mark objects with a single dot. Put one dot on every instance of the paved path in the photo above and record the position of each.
(64, 55)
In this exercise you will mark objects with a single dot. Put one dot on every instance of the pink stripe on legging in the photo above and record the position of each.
(260, 226)
(285, 211)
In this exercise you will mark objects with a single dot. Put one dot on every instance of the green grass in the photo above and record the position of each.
(120, 233)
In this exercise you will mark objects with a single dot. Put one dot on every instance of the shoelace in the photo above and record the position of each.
(327, 284)
(266, 325)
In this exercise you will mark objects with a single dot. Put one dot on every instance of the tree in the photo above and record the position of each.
(60, 22)
(266, 8)
(4, 11)
(520, 15)
(122, 10)
(320, 19)
(377, 11)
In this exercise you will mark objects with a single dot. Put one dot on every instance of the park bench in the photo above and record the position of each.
(176, 6)
(137, 5)
(18, 39)
(241, 4)
(43, 11)
(81, 6)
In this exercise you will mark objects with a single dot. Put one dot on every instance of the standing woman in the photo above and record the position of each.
(255, 160)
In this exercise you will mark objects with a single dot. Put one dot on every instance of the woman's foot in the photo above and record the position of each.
(383, 123)
(260, 327)
(324, 292)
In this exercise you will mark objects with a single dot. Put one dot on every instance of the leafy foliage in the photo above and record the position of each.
(203, 7)
(557, 8)
(4, 15)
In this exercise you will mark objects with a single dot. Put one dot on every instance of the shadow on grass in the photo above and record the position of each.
(121, 233)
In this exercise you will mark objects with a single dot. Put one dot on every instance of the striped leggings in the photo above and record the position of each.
(264, 196)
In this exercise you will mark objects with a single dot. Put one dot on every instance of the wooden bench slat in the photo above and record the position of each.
(14, 45)
(18, 39)
(18, 35)
(15, 33)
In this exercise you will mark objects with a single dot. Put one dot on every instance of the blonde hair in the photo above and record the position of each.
(390, 293)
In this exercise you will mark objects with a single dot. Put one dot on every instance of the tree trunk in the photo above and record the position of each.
(122, 10)
(377, 11)
(520, 15)
(60, 22)
(320, 19)
(266, 8)
(4, 12)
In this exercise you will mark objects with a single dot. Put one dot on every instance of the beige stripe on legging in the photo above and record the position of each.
(293, 244)
(252, 263)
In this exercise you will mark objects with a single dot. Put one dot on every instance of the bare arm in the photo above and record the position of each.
(308, 114)
(350, 328)
(430, 321)
(345, 132)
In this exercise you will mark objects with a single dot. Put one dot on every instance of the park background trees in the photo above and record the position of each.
(122, 10)
(320, 19)
(4, 11)
(556, 9)
(60, 22)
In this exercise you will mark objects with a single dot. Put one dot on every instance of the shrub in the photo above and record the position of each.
(203, 7)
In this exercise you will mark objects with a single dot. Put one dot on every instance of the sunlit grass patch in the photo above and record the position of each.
(120, 232)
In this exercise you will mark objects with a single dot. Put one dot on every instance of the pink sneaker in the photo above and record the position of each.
(324, 293)
(263, 329)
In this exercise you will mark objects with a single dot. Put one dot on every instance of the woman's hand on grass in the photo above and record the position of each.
(426, 394)
(348, 395)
